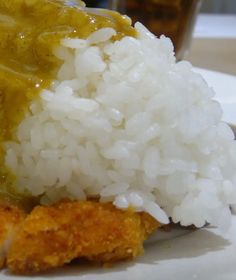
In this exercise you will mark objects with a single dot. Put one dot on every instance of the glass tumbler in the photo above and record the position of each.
(173, 18)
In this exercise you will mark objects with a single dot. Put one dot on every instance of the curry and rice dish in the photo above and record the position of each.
(104, 138)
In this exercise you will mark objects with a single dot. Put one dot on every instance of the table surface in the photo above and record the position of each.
(214, 43)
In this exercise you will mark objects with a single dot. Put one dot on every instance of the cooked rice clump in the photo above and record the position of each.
(125, 122)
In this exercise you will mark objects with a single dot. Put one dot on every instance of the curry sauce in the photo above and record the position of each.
(29, 31)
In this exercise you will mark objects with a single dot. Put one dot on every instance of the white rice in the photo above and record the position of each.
(125, 122)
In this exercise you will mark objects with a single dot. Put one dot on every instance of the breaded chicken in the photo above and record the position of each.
(52, 236)
(10, 219)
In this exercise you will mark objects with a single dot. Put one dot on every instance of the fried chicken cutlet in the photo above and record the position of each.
(53, 236)
(10, 219)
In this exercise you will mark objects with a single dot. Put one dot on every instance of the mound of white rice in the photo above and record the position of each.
(125, 122)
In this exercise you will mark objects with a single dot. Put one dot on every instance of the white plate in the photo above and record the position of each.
(225, 88)
(205, 254)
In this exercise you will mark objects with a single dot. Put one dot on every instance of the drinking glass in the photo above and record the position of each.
(173, 18)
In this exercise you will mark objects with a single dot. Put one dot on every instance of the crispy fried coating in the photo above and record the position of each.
(10, 219)
(53, 236)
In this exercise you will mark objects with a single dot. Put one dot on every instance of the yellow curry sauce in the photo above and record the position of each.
(29, 30)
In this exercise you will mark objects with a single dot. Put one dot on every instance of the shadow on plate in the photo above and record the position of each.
(190, 245)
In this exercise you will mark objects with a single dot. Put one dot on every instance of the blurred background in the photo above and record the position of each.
(203, 31)
(214, 39)
(219, 6)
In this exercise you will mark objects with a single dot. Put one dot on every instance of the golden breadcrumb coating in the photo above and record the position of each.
(53, 236)
(10, 218)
